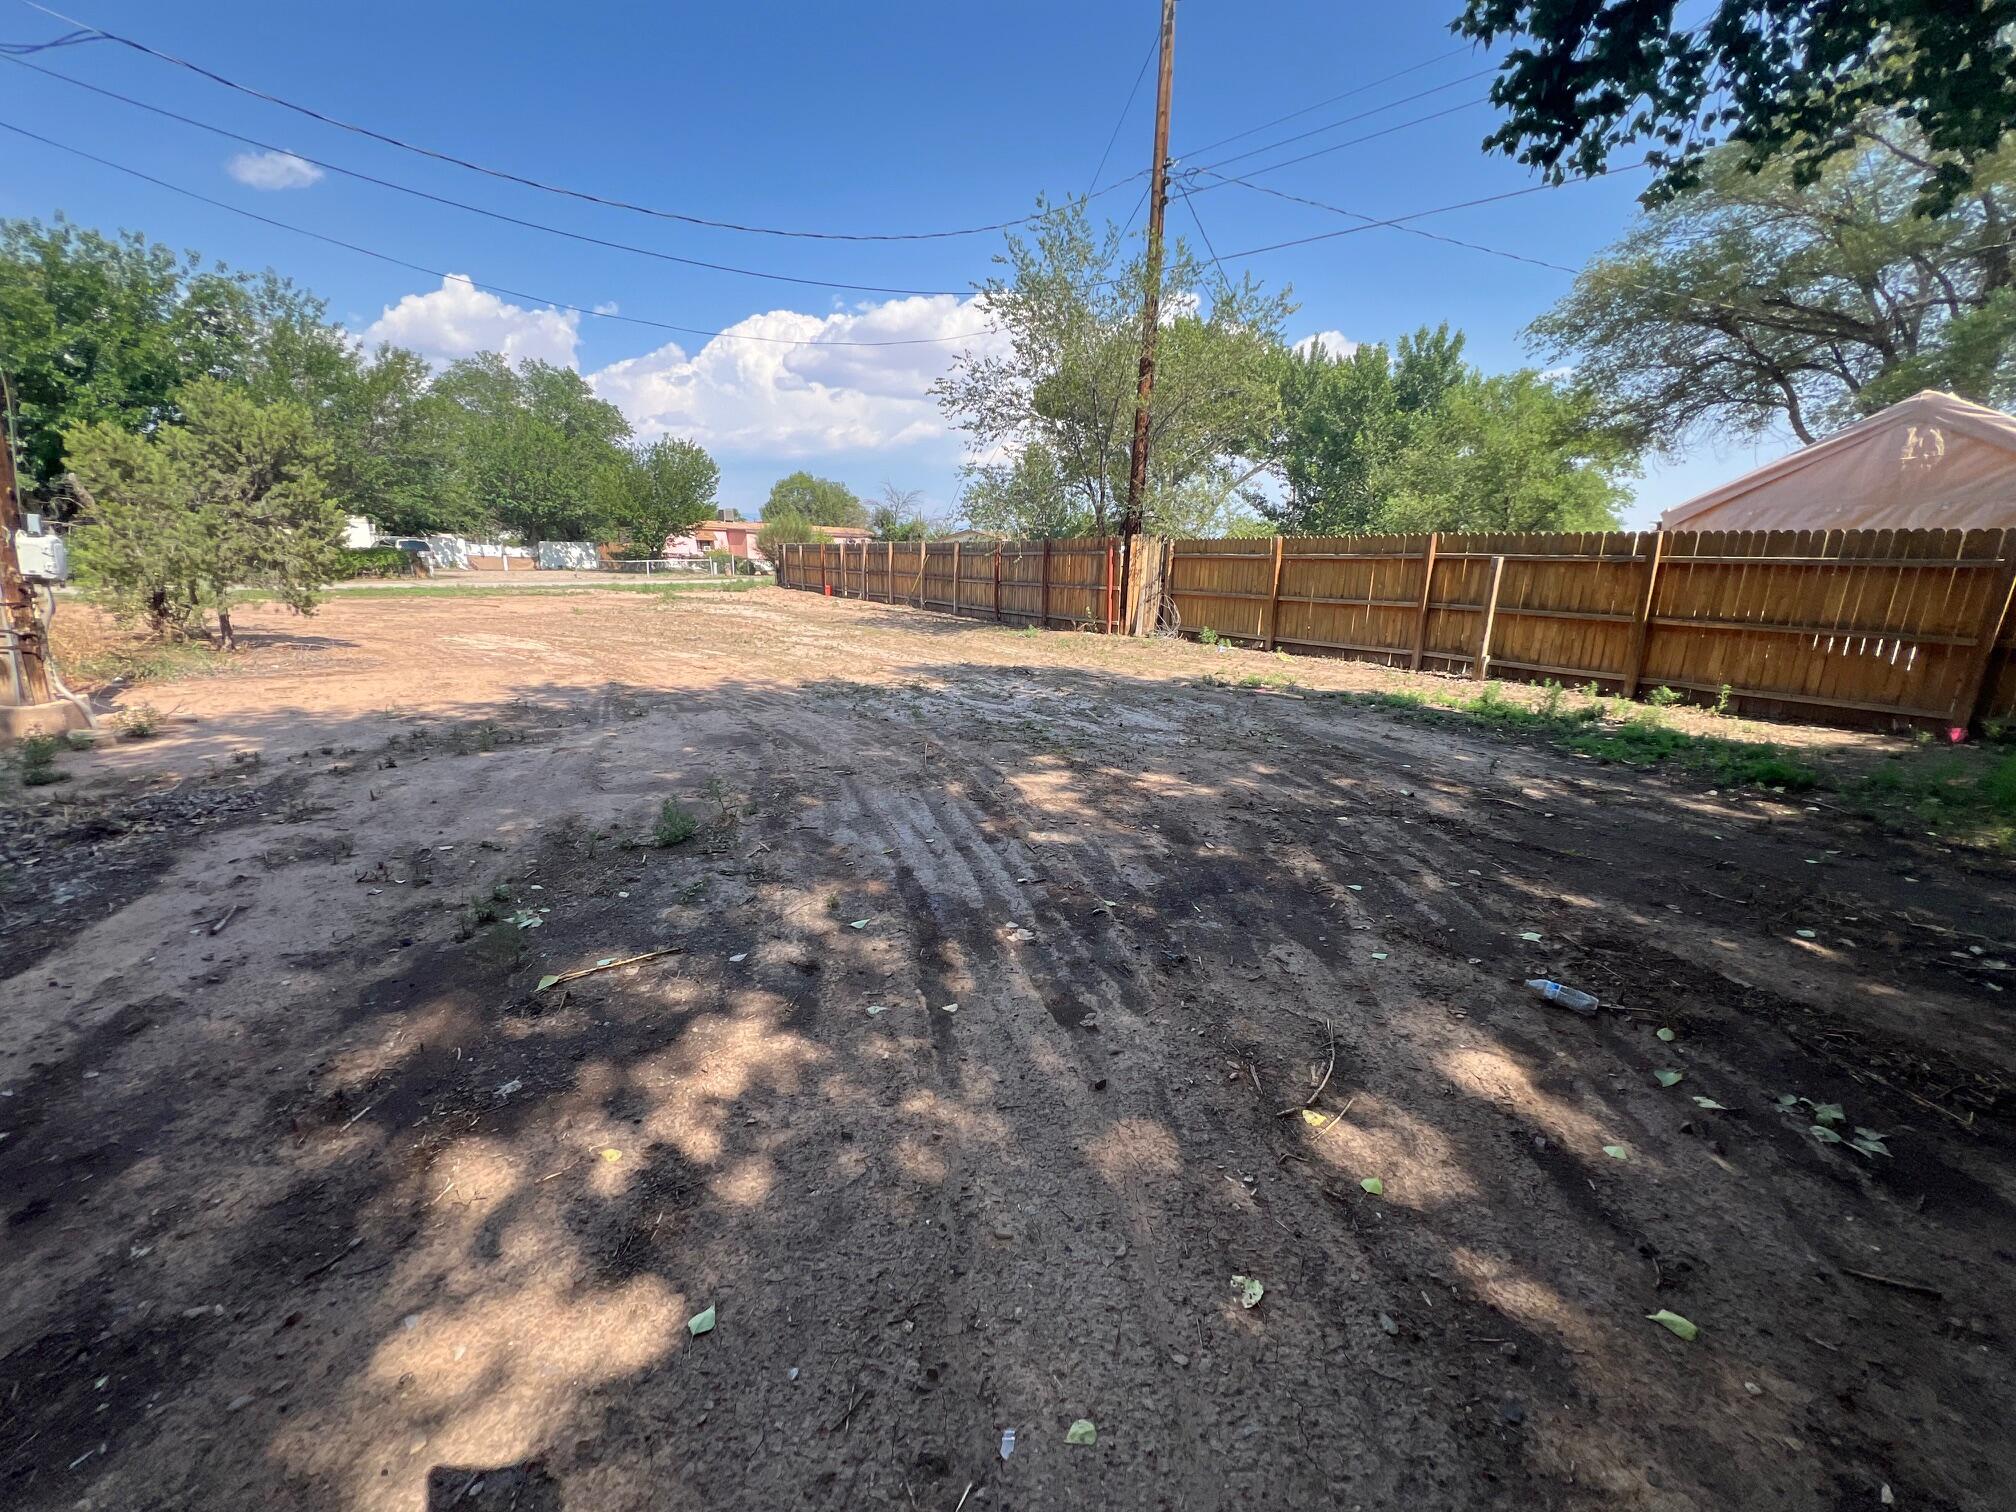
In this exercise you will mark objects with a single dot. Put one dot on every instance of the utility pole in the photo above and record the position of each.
(1151, 311)
(29, 683)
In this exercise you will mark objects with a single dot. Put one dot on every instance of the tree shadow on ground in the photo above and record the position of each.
(1013, 1013)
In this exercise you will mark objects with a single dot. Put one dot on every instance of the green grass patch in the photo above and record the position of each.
(1965, 795)
(1968, 795)
(1607, 730)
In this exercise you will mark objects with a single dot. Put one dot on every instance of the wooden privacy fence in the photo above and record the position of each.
(1913, 624)
(1047, 583)
(1905, 623)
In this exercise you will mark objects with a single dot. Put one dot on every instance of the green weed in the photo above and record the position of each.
(676, 824)
(140, 722)
(37, 757)
(1209, 637)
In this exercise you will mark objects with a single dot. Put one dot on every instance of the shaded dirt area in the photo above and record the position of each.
(310, 1199)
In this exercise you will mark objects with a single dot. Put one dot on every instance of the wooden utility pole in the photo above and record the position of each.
(24, 625)
(1151, 309)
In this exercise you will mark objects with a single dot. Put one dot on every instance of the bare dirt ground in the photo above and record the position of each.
(310, 1200)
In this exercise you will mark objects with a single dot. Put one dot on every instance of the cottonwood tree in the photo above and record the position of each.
(1069, 308)
(1784, 79)
(659, 491)
(1414, 439)
(1755, 302)
(531, 443)
(235, 494)
(1026, 498)
(817, 501)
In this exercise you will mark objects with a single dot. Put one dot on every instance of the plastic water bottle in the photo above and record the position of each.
(1572, 998)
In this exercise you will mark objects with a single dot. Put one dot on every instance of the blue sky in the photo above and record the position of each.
(892, 117)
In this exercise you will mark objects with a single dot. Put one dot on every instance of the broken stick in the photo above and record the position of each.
(569, 976)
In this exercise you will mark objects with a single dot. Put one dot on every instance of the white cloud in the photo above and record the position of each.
(1336, 345)
(458, 320)
(777, 400)
(272, 170)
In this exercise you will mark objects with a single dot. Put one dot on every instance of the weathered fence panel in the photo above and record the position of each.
(1913, 624)
(1055, 584)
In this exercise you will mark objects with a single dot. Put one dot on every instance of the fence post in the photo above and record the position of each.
(1641, 628)
(1043, 602)
(1274, 597)
(1112, 606)
(997, 582)
(955, 576)
(1427, 595)
(1483, 662)
(1974, 689)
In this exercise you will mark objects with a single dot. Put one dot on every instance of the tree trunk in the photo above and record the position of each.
(226, 637)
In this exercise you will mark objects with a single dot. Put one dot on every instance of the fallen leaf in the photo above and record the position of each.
(545, 982)
(1250, 1290)
(875, 1008)
(949, 1008)
(1806, 934)
(1667, 1078)
(737, 960)
(1355, 886)
(857, 924)
(1530, 934)
(612, 1156)
(1374, 1185)
(1710, 1104)
(1674, 1322)
(1081, 1432)
(1378, 955)
(606, 961)
(1667, 1035)
(1316, 1120)
(1617, 1152)
(701, 1322)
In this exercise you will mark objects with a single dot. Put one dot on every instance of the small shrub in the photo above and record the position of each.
(1550, 699)
(1663, 698)
(141, 722)
(1208, 636)
(38, 761)
(676, 824)
(371, 562)
(1724, 697)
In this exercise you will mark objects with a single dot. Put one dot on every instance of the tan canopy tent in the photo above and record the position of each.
(1931, 462)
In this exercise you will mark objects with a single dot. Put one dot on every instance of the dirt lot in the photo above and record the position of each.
(311, 1200)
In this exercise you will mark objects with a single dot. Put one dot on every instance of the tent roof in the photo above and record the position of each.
(1934, 460)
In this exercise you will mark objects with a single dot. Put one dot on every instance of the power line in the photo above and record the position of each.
(1372, 222)
(561, 189)
(1238, 136)
(400, 262)
(442, 199)
(1401, 220)
(1191, 205)
(1146, 58)
(1369, 136)
(1363, 115)
(68, 39)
